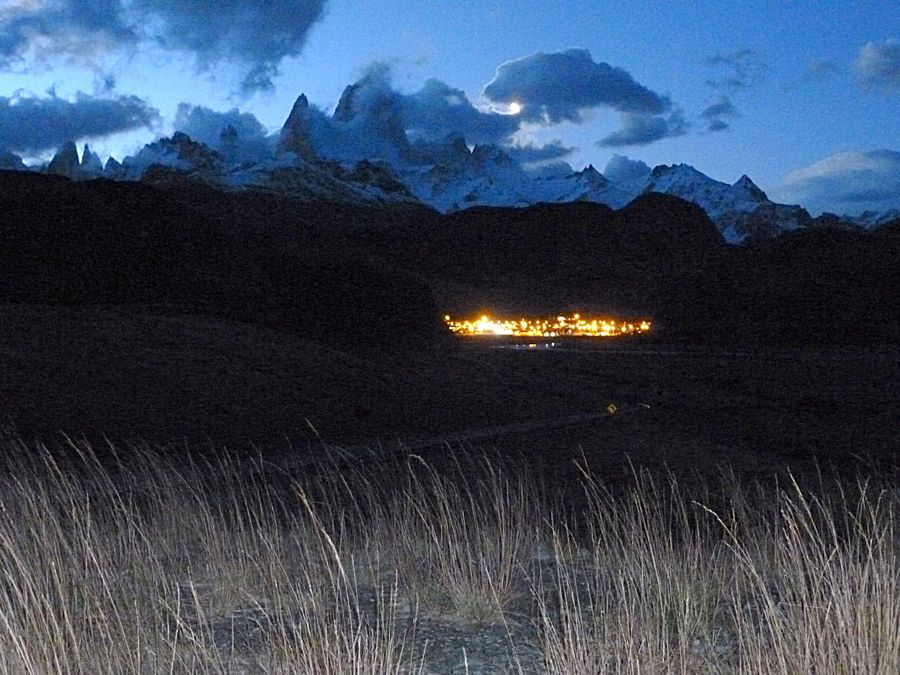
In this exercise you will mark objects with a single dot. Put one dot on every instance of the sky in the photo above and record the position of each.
(804, 97)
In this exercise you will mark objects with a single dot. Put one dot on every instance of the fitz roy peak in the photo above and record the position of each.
(362, 154)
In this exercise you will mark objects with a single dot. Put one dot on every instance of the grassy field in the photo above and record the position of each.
(392, 565)
(229, 498)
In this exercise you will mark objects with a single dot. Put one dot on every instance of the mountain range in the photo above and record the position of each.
(447, 175)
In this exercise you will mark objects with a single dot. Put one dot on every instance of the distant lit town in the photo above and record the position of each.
(558, 326)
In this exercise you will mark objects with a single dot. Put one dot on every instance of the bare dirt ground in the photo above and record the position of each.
(207, 383)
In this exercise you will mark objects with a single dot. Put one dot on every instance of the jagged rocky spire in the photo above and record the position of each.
(112, 166)
(65, 162)
(345, 108)
(295, 132)
(91, 166)
(752, 188)
(593, 177)
(11, 162)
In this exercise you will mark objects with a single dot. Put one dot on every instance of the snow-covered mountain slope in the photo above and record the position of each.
(363, 153)
(287, 175)
(488, 176)
(739, 211)
(447, 176)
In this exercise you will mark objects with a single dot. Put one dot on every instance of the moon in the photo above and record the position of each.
(515, 108)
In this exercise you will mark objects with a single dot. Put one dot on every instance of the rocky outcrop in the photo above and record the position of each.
(378, 176)
(11, 162)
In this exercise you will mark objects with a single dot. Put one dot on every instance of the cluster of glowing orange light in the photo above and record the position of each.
(573, 325)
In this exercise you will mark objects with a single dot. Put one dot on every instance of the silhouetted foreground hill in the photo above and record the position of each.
(816, 286)
(554, 257)
(383, 277)
(194, 249)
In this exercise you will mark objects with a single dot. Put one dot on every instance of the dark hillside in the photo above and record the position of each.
(814, 286)
(365, 276)
(198, 250)
(552, 257)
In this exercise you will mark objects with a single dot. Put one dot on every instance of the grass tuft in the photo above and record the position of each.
(135, 561)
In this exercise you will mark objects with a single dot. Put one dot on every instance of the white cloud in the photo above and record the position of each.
(848, 182)
(878, 65)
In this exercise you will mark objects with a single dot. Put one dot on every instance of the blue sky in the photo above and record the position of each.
(802, 96)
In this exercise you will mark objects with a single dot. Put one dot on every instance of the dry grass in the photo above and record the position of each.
(138, 563)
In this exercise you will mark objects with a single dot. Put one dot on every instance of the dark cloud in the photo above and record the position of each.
(533, 154)
(714, 115)
(258, 34)
(437, 110)
(64, 27)
(238, 135)
(34, 125)
(638, 129)
(561, 86)
(848, 182)
(736, 71)
(253, 35)
(878, 65)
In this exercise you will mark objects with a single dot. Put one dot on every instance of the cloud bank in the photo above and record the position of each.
(848, 182)
(620, 169)
(373, 120)
(252, 35)
(438, 109)
(239, 136)
(878, 65)
(32, 125)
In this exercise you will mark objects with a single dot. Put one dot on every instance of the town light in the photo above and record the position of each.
(574, 325)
